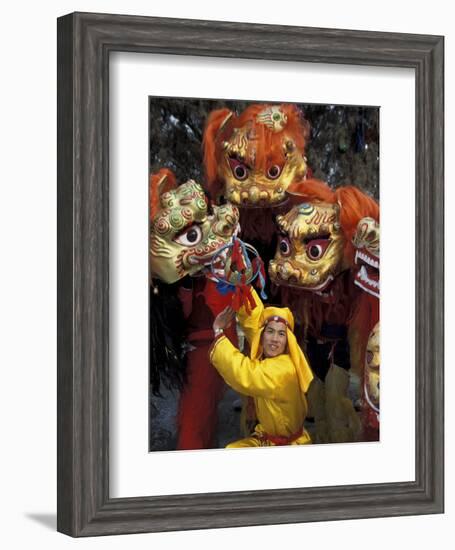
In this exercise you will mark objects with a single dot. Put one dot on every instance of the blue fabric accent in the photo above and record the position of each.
(224, 288)
(244, 252)
(261, 279)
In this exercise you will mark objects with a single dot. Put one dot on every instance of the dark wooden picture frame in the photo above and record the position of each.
(84, 44)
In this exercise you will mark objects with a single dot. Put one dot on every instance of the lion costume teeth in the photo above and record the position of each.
(366, 241)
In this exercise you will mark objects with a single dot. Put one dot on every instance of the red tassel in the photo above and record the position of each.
(243, 297)
(237, 259)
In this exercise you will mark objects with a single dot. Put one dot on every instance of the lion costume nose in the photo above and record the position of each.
(285, 271)
(226, 219)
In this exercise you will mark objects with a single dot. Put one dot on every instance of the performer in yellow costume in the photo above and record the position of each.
(276, 374)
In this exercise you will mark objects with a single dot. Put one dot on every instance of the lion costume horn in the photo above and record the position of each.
(216, 121)
(161, 182)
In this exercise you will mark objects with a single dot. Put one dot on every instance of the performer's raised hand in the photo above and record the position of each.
(223, 319)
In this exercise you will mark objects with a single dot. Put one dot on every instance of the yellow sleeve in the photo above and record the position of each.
(250, 323)
(254, 377)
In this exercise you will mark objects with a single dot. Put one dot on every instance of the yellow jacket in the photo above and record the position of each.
(277, 385)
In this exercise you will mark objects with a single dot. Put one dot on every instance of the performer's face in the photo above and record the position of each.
(274, 339)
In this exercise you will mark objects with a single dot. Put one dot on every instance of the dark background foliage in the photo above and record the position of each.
(343, 147)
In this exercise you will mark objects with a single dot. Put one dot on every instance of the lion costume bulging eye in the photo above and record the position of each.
(191, 236)
(284, 246)
(274, 172)
(316, 248)
(239, 170)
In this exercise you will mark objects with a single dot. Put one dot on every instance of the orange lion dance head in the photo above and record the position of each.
(315, 243)
(251, 159)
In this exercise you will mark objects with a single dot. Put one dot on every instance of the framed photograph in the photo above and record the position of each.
(202, 411)
(170, 133)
